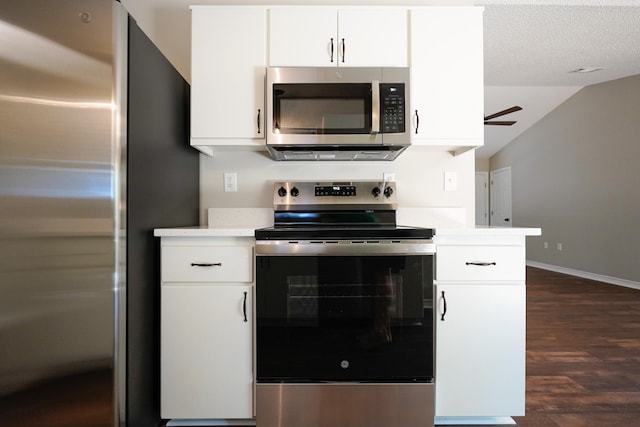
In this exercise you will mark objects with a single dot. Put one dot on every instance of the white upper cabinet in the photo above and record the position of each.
(233, 45)
(228, 60)
(447, 79)
(327, 36)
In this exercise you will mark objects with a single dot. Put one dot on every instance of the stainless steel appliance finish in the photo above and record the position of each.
(325, 196)
(344, 310)
(320, 113)
(93, 126)
(345, 404)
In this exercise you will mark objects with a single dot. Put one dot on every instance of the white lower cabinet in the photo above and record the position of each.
(207, 323)
(480, 349)
(480, 328)
(206, 351)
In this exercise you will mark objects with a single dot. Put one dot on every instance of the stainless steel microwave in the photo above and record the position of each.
(337, 113)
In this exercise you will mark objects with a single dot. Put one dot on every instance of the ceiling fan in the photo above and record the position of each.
(501, 113)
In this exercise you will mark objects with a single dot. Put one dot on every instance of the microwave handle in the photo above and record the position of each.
(375, 107)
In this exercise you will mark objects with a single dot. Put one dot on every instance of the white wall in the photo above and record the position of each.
(419, 177)
(419, 174)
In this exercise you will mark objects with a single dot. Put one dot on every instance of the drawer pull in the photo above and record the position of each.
(444, 310)
(481, 264)
(206, 264)
(244, 307)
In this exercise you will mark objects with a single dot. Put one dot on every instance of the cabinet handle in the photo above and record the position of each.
(258, 120)
(343, 48)
(481, 264)
(206, 264)
(417, 122)
(331, 49)
(244, 307)
(444, 311)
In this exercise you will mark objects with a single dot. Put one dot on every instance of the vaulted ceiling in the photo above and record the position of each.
(532, 49)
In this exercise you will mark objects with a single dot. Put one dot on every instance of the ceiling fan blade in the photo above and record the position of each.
(500, 123)
(503, 112)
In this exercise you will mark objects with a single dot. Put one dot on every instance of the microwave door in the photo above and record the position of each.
(323, 109)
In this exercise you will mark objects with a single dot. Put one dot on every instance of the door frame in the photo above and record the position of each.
(482, 195)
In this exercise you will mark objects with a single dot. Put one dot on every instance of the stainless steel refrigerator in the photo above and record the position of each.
(94, 155)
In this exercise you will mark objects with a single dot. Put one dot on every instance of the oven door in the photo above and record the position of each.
(336, 312)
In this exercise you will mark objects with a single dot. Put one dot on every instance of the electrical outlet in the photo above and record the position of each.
(546, 245)
(389, 177)
(559, 246)
(230, 181)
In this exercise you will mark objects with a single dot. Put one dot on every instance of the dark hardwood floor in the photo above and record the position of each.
(583, 353)
(583, 364)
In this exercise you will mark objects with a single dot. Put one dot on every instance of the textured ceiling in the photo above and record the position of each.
(530, 47)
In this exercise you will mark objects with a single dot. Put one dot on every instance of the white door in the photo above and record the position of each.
(482, 198)
(447, 87)
(480, 350)
(206, 351)
(372, 37)
(500, 197)
(303, 37)
(228, 60)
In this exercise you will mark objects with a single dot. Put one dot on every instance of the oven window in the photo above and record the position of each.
(351, 318)
(324, 108)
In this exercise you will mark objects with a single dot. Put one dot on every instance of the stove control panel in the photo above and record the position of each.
(335, 190)
(334, 195)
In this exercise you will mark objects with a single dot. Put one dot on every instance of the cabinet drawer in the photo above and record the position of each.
(207, 264)
(479, 263)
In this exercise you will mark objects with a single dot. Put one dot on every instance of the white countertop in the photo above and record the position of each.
(247, 231)
(242, 222)
(204, 231)
(489, 231)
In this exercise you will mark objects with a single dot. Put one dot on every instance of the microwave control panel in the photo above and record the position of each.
(392, 108)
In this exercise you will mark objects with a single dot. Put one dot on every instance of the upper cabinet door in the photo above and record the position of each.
(329, 37)
(303, 37)
(228, 61)
(447, 79)
(375, 37)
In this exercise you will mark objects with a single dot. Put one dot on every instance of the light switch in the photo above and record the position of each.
(450, 181)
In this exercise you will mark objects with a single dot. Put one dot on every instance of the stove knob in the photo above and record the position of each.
(388, 192)
(295, 192)
(282, 192)
(375, 192)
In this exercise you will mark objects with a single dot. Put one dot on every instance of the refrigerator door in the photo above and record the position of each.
(60, 212)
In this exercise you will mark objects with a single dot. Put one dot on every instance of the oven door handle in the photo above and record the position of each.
(279, 248)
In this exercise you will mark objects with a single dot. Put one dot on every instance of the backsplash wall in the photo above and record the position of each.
(419, 176)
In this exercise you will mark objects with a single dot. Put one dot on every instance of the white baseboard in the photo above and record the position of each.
(198, 422)
(473, 421)
(586, 275)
